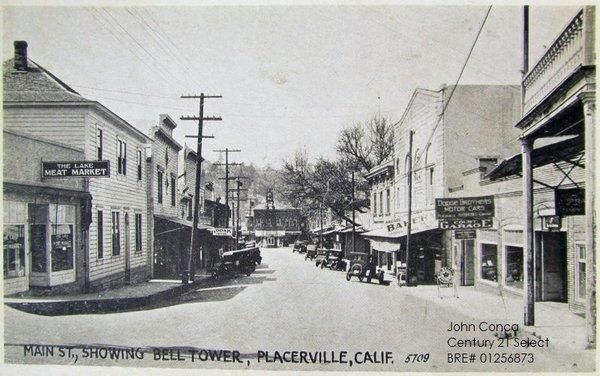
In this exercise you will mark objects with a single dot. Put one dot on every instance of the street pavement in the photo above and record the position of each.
(286, 305)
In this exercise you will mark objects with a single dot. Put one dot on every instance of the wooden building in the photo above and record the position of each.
(39, 104)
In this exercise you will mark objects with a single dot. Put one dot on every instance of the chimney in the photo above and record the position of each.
(20, 55)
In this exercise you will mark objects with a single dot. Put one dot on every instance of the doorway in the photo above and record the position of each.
(467, 263)
(551, 266)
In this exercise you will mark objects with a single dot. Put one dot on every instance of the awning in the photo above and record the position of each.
(357, 229)
(423, 221)
(560, 150)
(333, 230)
(181, 221)
(385, 246)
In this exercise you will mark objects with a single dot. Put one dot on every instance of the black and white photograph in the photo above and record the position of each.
(298, 187)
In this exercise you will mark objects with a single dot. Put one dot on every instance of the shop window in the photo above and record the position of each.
(489, 262)
(580, 271)
(38, 216)
(159, 186)
(62, 247)
(138, 232)
(14, 251)
(100, 231)
(62, 219)
(514, 267)
(116, 234)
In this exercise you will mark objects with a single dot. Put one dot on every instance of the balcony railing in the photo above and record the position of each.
(569, 51)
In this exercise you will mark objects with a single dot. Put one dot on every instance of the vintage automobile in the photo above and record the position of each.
(242, 261)
(311, 252)
(299, 246)
(363, 266)
(321, 257)
(335, 260)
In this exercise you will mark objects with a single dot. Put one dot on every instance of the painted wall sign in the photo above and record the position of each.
(75, 169)
(464, 207)
(465, 224)
(570, 201)
(220, 231)
(465, 234)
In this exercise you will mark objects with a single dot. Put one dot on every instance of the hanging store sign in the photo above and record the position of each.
(551, 222)
(465, 234)
(570, 201)
(464, 208)
(465, 224)
(75, 169)
(219, 231)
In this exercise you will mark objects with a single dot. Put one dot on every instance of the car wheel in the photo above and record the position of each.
(381, 278)
(348, 276)
(368, 279)
(322, 265)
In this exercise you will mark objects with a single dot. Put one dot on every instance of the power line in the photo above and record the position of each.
(457, 80)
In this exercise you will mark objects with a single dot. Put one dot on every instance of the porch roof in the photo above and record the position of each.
(561, 150)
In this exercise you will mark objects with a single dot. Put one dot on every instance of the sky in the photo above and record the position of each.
(291, 77)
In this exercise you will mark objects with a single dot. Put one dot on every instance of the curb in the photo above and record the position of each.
(110, 305)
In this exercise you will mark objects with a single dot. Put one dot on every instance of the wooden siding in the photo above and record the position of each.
(122, 193)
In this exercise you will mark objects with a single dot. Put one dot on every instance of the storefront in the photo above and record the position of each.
(45, 220)
(426, 245)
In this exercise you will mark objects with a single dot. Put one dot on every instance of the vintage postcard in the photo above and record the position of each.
(299, 187)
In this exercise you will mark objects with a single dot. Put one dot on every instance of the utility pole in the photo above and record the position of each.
(237, 208)
(227, 164)
(188, 256)
(409, 226)
(237, 190)
(353, 217)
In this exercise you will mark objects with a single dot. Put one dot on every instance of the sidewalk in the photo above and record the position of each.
(108, 301)
(565, 329)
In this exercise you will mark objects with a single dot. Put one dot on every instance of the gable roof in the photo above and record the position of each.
(35, 85)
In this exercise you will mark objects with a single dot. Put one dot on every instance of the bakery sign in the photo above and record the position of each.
(420, 222)
(81, 169)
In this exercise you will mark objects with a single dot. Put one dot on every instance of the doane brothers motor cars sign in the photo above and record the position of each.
(75, 169)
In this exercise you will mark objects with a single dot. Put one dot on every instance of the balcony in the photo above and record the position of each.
(573, 49)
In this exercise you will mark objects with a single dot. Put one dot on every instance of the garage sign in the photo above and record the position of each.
(465, 224)
(464, 208)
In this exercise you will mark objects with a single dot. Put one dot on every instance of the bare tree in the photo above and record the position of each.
(367, 144)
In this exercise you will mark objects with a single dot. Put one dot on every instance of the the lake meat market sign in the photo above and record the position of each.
(83, 169)
(465, 212)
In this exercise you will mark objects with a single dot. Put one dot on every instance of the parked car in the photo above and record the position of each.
(321, 257)
(299, 246)
(311, 252)
(363, 266)
(242, 261)
(335, 260)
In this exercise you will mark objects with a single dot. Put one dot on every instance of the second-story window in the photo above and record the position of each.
(122, 157)
(387, 201)
(166, 158)
(381, 203)
(99, 141)
(139, 165)
(159, 186)
(172, 190)
(375, 204)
